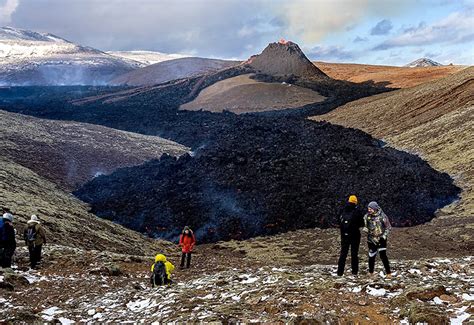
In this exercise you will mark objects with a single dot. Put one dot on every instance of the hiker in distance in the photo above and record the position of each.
(7, 241)
(187, 242)
(377, 226)
(351, 219)
(34, 237)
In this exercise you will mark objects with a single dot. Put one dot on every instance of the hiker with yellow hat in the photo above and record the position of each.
(161, 271)
(351, 219)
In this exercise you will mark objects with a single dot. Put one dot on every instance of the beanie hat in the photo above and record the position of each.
(8, 216)
(374, 205)
(353, 199)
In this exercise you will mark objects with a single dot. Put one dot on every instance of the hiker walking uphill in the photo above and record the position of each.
(187, 242)
(34, 237)
(161, 271)
(377, 226)
(351, 219)
(7, 240)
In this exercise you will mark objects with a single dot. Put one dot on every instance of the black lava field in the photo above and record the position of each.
(248, 175)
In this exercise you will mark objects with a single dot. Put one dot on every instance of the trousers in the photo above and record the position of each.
(381, 248)
(352, 242)
(186, 257)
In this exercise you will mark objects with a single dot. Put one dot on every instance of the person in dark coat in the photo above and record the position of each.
(8, 241)
(351, 219)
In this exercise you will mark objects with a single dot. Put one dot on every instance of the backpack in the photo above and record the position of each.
(346, 223)
(3, 233)
(31, 234)
(159, 276)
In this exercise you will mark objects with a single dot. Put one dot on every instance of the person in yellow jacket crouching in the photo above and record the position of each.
(161, 271)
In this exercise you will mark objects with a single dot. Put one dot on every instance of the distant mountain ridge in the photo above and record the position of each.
(15, 34)
(423, 62)
(33, 58)
(146, 57)
(172, 70)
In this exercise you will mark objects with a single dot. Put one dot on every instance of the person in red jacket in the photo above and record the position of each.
(187, 242)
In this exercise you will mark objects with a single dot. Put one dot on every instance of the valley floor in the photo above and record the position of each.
(227, 286)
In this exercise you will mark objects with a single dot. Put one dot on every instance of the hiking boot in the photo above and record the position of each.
(388, 276)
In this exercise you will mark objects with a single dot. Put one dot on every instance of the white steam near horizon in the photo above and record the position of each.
(6, 11)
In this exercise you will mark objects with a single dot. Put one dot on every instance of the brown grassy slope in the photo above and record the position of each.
(242, 94)
(395, 77)
(65, 218)
(70, 153)
(436, 121)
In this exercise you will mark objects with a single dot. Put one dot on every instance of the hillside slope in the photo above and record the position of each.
(66, 220)
(435, 121)
(69, 153)
(394, 77)
(171, 70)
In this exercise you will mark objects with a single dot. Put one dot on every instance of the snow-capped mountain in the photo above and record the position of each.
(423, 62)
(32, 58)
(147, 57)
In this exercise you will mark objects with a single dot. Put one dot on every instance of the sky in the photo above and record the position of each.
(388, 32)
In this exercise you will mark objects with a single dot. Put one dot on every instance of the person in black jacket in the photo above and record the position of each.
(351, 219)
(8, 245)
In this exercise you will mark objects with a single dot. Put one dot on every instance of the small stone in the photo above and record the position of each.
(418, 313)
(16, 279)
(426, 294)
(448, 298)
(6, 286)
(362, 302)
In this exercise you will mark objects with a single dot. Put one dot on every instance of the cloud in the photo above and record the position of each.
(207, 28)
(311, 20)
(359, 39)
(6, 10)
(458, 27)
(383, 27)
(330, 53)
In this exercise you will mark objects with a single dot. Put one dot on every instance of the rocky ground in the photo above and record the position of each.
(92, 286)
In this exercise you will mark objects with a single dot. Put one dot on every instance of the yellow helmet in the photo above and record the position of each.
(353, 199)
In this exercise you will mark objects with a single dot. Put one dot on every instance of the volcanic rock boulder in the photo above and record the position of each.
(267, 176)
(285, 58)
